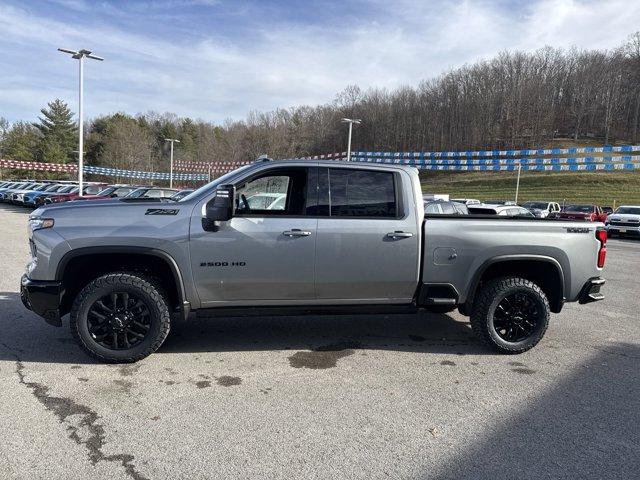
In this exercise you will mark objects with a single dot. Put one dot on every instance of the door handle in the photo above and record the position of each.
(296, 232)
(399, 234)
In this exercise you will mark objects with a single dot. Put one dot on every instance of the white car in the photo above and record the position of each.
(467, 201)
(542, 209)
(501, 210)
(625, 220)
(267, 201)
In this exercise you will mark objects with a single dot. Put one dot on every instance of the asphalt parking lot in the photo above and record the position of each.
(409, 396)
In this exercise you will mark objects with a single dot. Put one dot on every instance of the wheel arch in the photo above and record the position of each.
(545, 271)
(79, 266)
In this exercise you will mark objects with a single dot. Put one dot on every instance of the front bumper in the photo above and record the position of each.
(591, 290)
(42, 298)
(623, 229)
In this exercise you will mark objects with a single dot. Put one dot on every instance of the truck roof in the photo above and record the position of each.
(337, 163)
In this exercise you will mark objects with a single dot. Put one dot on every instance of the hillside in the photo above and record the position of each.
(604, 188)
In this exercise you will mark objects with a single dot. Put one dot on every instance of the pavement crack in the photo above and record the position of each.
(63, 408)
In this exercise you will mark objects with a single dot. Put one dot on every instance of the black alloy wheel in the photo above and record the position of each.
(119, 321)
(516, 317)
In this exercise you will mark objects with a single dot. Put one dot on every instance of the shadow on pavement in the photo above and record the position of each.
(421, 332)
(35, 341)
(8, 207)
(588, 426)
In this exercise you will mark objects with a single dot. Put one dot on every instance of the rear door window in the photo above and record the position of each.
(362, 193)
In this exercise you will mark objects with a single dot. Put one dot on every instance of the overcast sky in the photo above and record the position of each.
(218, 59)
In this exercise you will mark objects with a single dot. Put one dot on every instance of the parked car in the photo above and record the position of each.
(500, 210)
(17, 196)
(363, 243)
(181, 194)
(588, 212)
(607, 210)
(36, 199)
(151, 192)
(51, 198)
(88, 191)
(499, 202)
(263, 201)
(445, 208)
(10, 185)
(625, 220)
(7, 193)
(112, 191)
(542, 209)
(466, 201)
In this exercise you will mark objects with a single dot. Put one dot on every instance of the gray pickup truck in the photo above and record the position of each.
(300, 237)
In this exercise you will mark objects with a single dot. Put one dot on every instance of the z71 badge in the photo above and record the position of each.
(162, 211)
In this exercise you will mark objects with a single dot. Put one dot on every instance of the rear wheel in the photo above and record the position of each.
(510, 314)
(120, 317)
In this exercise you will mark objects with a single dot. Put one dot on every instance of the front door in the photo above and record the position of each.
(265, 254)
(368, 243)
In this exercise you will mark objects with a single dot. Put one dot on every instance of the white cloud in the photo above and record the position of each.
(287, 65)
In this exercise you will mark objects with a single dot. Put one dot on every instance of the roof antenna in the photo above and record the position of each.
(264, 158)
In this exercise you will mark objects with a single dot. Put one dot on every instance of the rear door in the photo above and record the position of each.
(368, 236)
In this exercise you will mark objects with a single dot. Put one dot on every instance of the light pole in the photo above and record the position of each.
(350, 121)
(518, 181)
(172, 140)
(79, 55)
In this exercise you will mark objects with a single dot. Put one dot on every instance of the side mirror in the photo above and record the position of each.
(220, 208)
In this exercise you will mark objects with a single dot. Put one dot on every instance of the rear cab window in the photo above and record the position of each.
(356, 193)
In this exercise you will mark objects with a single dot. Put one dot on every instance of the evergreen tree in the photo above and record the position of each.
(21, 142)
(58, 133)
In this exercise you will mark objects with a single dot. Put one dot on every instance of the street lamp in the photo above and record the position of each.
(350, 121)
(518, 181)
(172, 140)
(80, 55)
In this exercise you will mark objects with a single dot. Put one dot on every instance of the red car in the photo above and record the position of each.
(584, 212)
(89, 191)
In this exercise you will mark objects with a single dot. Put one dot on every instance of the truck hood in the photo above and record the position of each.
(84, 207)
(621, 217)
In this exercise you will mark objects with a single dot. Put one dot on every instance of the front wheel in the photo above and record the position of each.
(510, 314)
(120, 317)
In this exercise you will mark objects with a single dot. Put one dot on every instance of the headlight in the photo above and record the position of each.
(38, 223)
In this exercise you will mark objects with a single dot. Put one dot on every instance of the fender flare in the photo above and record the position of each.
(471, 293)
(183, 304)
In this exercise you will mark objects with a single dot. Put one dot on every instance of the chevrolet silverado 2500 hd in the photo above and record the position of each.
(338, 237)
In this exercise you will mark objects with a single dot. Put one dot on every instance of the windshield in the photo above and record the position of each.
(218, 181)
(137, 193)
(579, 208)
(106, 191)
(536, 205)
(628, 211)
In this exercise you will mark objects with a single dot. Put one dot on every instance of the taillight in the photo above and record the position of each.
(601, 235)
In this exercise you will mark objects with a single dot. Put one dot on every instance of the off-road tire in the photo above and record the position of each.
(486, 303)
(144, 287)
